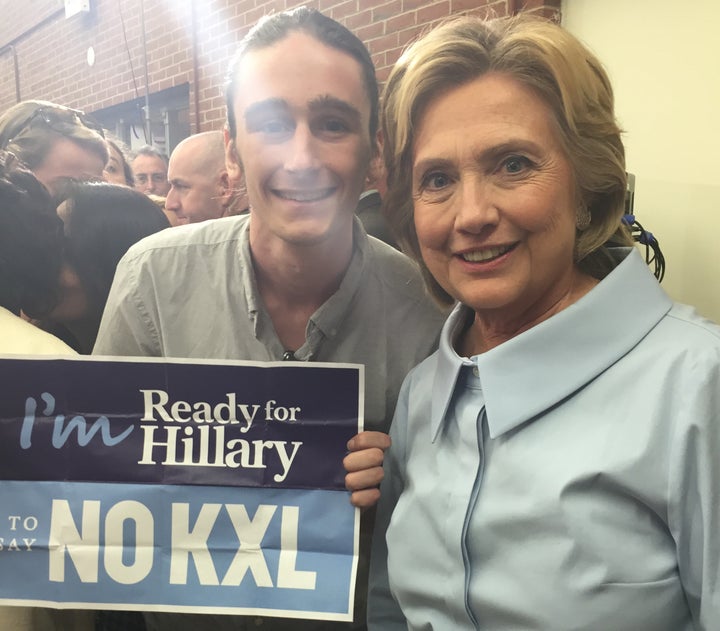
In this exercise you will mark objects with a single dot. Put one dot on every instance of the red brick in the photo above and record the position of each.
(358, 20)
(387, 10)
(433, 12)
(400, 22)
(371, 31)
(52, 51)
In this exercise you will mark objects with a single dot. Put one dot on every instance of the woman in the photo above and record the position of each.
(56, 143)
(31, 245)
(554, 465)
(117, 170)
(101, 222)
(30, 260)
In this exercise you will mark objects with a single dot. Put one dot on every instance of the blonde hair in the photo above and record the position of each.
(543, 56)
(21, 134)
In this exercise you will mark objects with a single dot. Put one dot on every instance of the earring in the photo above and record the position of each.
(582, 220)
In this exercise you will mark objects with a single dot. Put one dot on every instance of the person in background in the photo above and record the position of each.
(55, 142)
(554, 465)
(159, 201)
(31, 244)
(117, 170)
(149, 167)
(200, 187)
(297, 277)
(369, 208)
(101, 221)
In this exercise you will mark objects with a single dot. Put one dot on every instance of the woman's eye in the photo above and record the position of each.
(436, 181)
(516, 164)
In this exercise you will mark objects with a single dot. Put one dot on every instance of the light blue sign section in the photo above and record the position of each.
(207, 549)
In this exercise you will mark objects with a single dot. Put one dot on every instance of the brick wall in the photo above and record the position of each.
(43, 55)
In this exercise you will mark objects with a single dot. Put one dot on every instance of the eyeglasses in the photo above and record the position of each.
(58, 118)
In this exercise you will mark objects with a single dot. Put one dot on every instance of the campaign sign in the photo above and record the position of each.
(171, 485)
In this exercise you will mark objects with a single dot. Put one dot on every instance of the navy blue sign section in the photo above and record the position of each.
(202, 487)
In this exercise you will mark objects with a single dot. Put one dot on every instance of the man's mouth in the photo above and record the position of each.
(486, 254)
(311, 195)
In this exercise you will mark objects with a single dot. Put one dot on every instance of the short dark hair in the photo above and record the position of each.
(31, 241)
(102, 221)
(273, 28)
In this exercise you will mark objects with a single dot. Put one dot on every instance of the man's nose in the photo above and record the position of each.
(171, 201)
(301, 150)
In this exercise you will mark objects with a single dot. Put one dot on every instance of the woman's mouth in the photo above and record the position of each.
(486, 254)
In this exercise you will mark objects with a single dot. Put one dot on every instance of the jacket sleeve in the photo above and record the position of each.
(694, 510)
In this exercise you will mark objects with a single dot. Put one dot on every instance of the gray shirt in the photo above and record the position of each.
(190, 292)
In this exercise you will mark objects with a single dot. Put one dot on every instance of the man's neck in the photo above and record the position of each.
(294, 281)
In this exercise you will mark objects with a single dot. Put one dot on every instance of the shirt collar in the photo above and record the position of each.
(252, 296)
(328, 317)
(449, 365)
(537, 369)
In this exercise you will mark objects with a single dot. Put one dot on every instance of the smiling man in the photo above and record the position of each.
(297, 278)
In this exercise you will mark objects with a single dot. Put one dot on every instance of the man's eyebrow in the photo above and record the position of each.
(327, 101)
(259, 108)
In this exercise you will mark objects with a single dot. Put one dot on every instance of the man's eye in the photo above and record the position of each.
(275, 127)
(110, 169)
(158, 178)
(335, 126)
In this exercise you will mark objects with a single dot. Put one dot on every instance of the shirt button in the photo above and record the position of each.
(258, 622)
(476, 372)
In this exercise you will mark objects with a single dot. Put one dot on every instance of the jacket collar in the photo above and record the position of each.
(530, 373)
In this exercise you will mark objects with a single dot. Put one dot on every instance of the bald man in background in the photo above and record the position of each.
(200, 187)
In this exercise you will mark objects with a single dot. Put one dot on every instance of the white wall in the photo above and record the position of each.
(663, 58)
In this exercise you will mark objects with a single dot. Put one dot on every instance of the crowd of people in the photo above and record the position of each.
(541, 419)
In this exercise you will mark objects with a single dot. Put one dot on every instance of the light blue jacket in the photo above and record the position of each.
(567, 479)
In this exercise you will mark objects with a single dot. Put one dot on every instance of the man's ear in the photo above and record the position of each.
(227, 190)
(377, 174)
(232, 159)
(375, 168)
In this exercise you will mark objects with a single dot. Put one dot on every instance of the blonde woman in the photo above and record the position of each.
(55, 142)
(555, 464)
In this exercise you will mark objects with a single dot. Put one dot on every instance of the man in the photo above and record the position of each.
(369, 208)
(298, 277)
(150, 171)
(200, 187)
